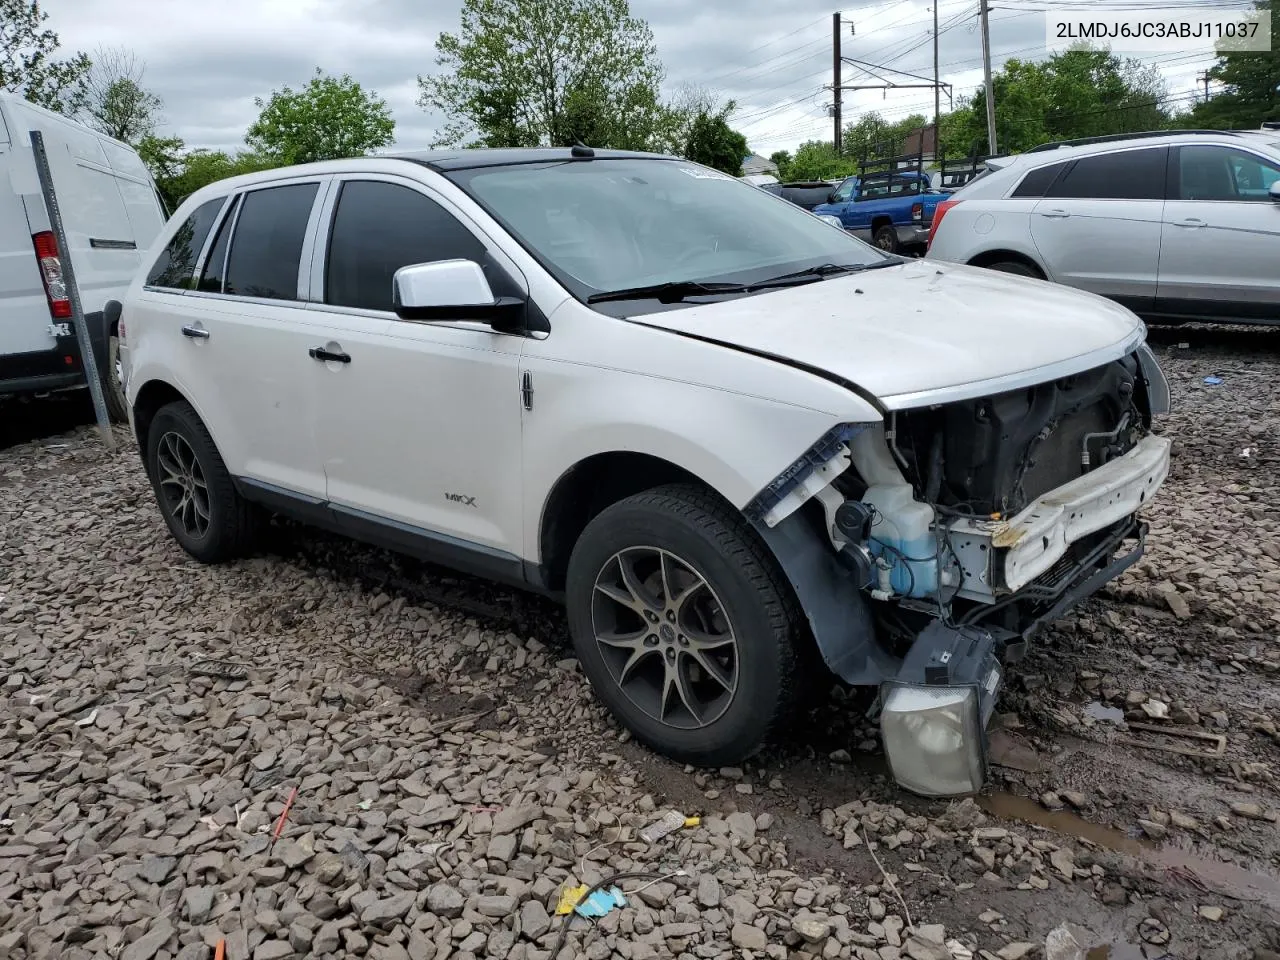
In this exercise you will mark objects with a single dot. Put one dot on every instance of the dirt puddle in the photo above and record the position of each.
(1214, 876)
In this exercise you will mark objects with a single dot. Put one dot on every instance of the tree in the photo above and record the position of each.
(1080, 92)
(540, 72)
(1251, 79)
(818, 160)
(328, 119)
(713, 143)
(179, 172)
(873, 137)
(27, 64)
(782, 160)
(116, 103)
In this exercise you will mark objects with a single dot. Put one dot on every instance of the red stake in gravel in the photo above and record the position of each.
(283, 815)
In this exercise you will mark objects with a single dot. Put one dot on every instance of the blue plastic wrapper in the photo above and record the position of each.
(601, 902)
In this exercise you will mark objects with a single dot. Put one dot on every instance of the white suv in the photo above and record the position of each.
(1178, 225)
(725, 433)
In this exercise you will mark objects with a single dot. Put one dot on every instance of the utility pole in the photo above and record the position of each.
(1204, 78)
(835, 82)
(989, 96)
(937, 88)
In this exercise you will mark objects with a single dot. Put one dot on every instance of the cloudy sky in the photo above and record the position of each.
(208, 59)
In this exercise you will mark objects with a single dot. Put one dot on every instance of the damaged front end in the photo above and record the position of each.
(928, 549)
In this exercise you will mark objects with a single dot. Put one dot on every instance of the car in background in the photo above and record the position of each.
(892, 209)
(111, 213)
(806, 194)
(1175, 225)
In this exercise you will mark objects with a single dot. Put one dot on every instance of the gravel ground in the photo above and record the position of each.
(453, 773)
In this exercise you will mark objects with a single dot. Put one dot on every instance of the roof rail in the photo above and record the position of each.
(1112, 137)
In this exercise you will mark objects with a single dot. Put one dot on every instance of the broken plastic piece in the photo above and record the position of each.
(601, 902)
(692, 822)
(670, 822)
(568, 897)
(1213, 381)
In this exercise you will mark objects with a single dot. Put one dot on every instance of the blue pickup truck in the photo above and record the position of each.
(893, 212)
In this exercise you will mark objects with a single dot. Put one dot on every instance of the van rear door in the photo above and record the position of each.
(99, 231)
(24, 309)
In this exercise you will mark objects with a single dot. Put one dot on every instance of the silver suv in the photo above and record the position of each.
(1176, 226)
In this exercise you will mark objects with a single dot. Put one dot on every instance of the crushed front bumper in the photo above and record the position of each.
(1001, 557)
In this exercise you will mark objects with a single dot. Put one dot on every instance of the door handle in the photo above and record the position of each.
(195, 333)
(337, 356)
(1189, 222)
(1055, 214)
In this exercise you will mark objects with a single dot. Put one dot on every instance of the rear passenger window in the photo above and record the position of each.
(211, 275)
(267, 245)
(379, 228)
(176, 265)
(1035, 183)
(1128, 175)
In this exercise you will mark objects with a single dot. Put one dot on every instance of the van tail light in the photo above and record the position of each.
(55, 285)
(939, 212)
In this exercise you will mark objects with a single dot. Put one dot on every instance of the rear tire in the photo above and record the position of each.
(1016, 267)
(692, 646)
(112, 387)
(886, 238)
(193, 488)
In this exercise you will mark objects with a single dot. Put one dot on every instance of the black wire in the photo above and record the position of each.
(568, 920)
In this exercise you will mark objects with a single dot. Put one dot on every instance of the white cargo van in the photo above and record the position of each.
(111, 212)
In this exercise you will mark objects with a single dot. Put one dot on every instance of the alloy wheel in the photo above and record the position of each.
(182, 485)
(665, 638)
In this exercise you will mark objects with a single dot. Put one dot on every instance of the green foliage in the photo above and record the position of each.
(818, 160)
(713, 143)
(27, 64)
(524, 73)
(1251, 80)
(328, 119)
(1077, 93)
(873, 136)
(179, 172)
(782, 160)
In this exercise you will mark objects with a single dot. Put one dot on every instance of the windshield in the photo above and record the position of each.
(606, 225)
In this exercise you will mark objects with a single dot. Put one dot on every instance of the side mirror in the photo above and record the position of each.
(452, 290)
(1275, 191)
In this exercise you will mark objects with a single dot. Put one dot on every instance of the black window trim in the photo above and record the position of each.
(1173, 177)
(1073, 162)
(324, 229)
(1013, 190)
(230, 211)
(323, 183)
(204, 248)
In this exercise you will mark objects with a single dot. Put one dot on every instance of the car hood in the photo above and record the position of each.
(921, 333)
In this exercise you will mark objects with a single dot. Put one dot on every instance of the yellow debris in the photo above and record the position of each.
(569, 898)
(692, 822)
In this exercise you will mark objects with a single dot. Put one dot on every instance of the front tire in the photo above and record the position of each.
(112, 383)
(193, 488)
(683, 625)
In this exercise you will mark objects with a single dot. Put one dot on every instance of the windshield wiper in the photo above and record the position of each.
(672, 291)
(820, 272)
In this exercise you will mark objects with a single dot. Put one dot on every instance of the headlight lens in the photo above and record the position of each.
(933, 739)
(834, 221)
